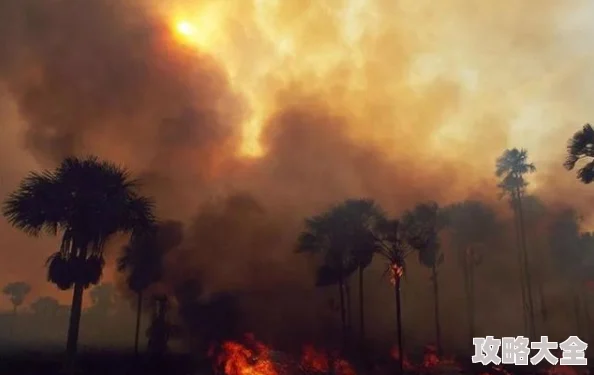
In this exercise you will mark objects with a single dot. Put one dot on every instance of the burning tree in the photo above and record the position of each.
(395, 240)
(425, 222)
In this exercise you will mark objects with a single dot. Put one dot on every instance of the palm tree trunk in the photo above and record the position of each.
(520, 264)
(587, 317)
(138, 317)
(543, 307)
(399, 325)
(361, 307)
(74, 323)
(576, 310)
(471, 295)
(526, 269)
(342, 308)
(436, 309)
(349, 311)
(466, 276)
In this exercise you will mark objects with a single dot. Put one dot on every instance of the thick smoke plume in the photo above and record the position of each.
(270, 111)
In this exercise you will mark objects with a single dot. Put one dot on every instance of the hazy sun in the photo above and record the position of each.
(185, 28)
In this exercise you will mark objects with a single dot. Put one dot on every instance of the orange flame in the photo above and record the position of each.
(396, 272)
(313, 360)
(317, 361)
(237, 359)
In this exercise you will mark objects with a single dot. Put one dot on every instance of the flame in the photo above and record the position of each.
(237, 359)
(313, 360)
(406, 363)
(396, 272)
(317, 361)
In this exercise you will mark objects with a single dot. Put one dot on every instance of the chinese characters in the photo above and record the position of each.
(516, 351)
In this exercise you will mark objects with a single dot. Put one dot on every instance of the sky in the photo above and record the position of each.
(297, 103)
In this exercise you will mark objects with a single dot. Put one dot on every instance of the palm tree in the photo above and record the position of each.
(471, 223)
(395, 241)
(511, 167)
(580, 147)
(534, 212)
(424, 221)
(142, 260)
(88, 201)
(343, 237)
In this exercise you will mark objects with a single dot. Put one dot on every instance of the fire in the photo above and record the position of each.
(406, 364)
(313, 360)
(238, 359)
(317, 361)
(396, 272)
(254, 358)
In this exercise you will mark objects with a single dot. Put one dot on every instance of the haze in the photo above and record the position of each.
(297, 104)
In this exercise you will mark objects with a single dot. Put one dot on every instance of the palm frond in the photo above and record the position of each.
(579, 146)
(586, 173)
(36, 204)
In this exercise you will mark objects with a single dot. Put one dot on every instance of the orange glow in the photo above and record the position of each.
(238, 359)
(314, 361)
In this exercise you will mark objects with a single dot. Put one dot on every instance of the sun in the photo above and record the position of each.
(185, 28)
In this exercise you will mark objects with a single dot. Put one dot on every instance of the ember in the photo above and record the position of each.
(406, 364)
(313, 360)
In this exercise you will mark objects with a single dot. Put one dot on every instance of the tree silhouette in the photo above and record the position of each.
(395, 242)
(142, 260)
(45, 307)
(343, 238)
(471, 223)
(511, 167)
(16, 291)
(534, 212)
(581, 147)
(103, 297)
(87, 201)
(573, 253)
(160, 329)
(425, 222)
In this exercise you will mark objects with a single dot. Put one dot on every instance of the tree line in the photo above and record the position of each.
(87, 201)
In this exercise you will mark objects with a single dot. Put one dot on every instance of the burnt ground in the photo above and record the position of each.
(101, 363)
(118, 363)
(46, 360)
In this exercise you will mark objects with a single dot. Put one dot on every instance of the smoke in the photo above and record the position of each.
(271, 111)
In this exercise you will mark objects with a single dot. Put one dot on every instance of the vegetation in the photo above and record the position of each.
(88, 202)
(511, 167)
(16, 291)
(142, 260)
